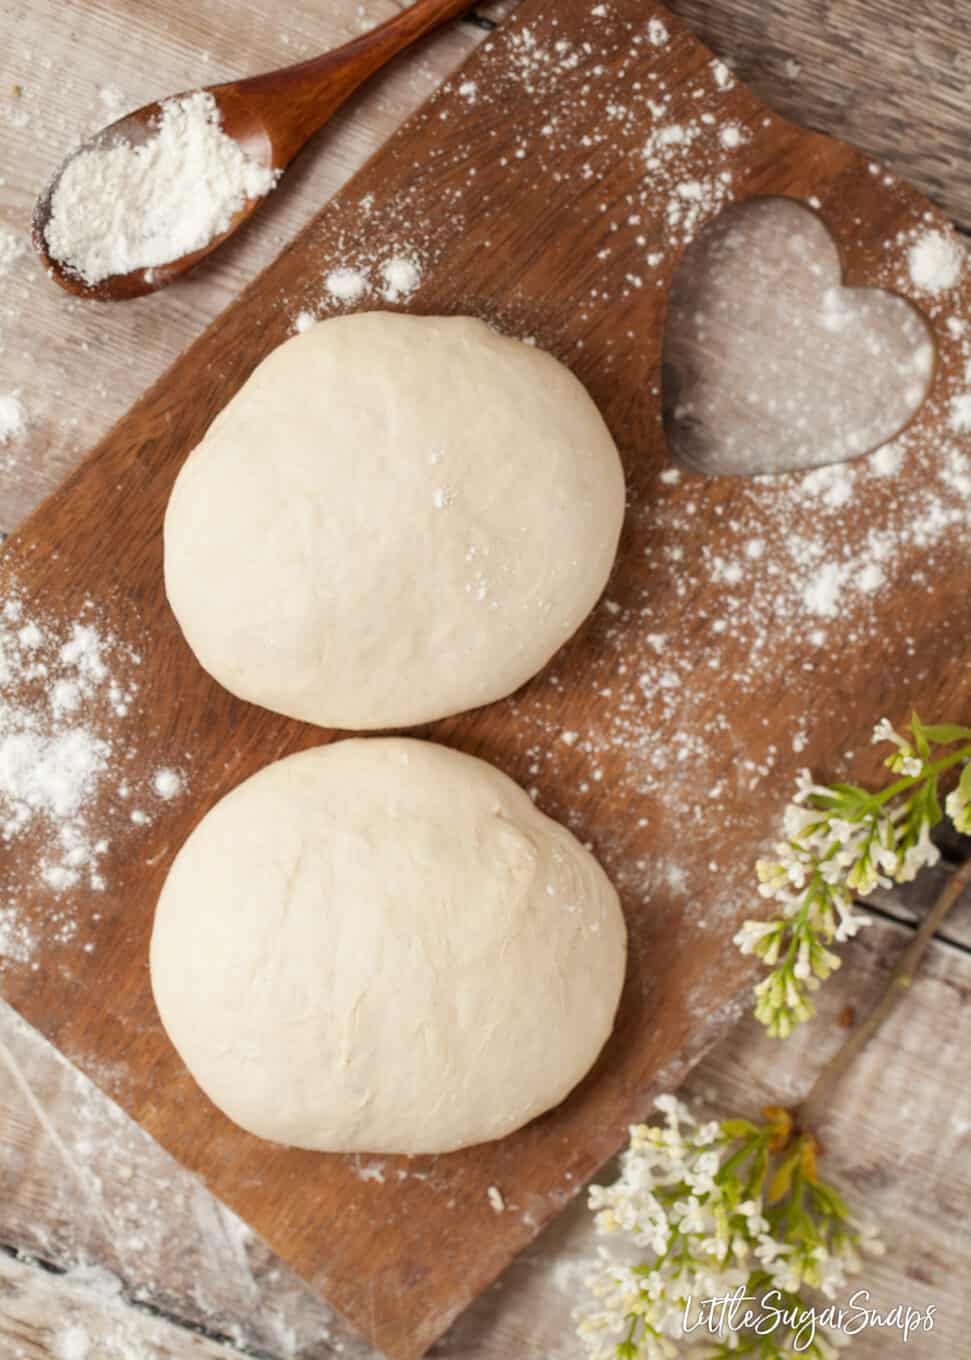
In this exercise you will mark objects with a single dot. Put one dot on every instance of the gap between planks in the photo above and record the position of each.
(39, 1305)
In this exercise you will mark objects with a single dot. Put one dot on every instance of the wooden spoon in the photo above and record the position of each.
(271, 116)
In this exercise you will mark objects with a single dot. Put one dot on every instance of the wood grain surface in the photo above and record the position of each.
(897, 1142)
(885, 75)
(169, 828)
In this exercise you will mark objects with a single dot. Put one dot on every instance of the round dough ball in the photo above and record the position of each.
(382, 946)
(397, 518)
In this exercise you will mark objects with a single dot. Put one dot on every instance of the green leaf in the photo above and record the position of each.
(760, 1167)
(782, 1180)
(737, 1128)
(946, 733)
(853, 792)
(920, 740)
(807, 1159)
(830, 1200)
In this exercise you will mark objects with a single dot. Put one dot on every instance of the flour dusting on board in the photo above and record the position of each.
(66, 690)
(935, 261)
(762, 590)
(374, 277)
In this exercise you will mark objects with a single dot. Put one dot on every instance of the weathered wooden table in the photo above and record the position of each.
(80, 1185)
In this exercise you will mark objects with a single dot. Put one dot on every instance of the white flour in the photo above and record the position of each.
(13, 417)
(52, 757)
(346, 285)
(136, 207)
(657, 32)
(935, 262)
(167, 784)
(12, 249)
(66, 691)
(401, 277)
(373, 275)
(113, 1196)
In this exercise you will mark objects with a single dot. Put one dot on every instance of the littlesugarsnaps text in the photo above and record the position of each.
(738, 1311)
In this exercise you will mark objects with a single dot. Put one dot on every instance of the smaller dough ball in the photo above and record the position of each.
(397, 518)
(382, 946)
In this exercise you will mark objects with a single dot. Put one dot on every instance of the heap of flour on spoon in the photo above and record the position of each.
(124, 207)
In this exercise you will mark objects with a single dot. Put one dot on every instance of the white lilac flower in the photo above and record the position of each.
(849, 922)
(958, 802)
(769, 1250)
(922, 852)
(717, 1240)
(885, 731)
(843, 842)
(751, 932)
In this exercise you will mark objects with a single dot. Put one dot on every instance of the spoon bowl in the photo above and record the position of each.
(135, 129)
(271, 117)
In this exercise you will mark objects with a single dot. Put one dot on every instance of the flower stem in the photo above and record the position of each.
(938, 767)
(900, 980)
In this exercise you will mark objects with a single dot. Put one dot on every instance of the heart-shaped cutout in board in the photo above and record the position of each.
(770, 364)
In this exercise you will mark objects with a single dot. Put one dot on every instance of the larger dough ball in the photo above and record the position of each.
(382, 946)
(397, 518)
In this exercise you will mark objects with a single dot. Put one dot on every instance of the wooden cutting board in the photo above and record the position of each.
(665, 734)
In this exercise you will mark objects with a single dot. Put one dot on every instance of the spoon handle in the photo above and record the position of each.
(296, 101)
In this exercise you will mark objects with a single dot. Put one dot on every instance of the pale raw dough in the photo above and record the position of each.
(382, 946)
(397, 518)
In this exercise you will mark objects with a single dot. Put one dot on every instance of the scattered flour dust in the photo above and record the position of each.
(13, 417)
(114, 1196)
(66, 690)
(100, 1324)
(12, 249)
(392, 277)
(127, 207)
(370, 1171)
(401, 277)
(346, 285)
(935, 261)
(167, 784)
(385, 258)
(782, 579)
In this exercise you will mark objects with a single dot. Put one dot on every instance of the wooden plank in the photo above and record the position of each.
(80, 1182)
(885, 75)
(897, 1142)
(893, 1165)
(81, 1317)
(525, 252)
(910, 902)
